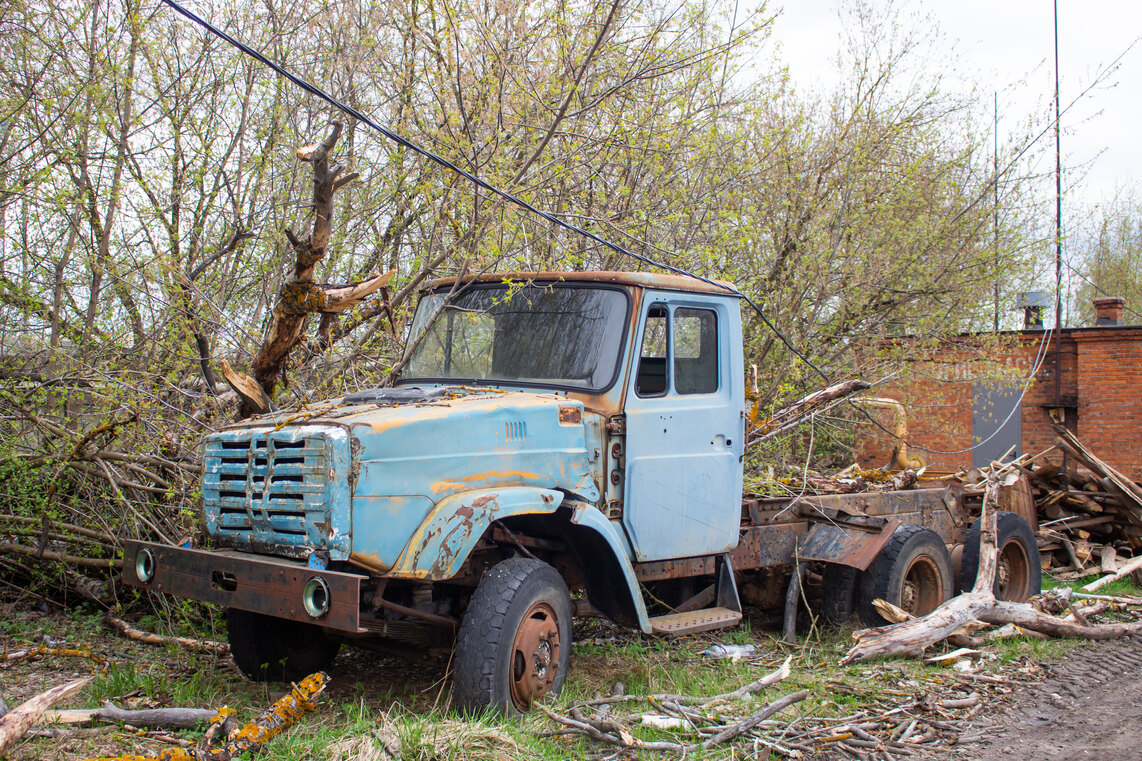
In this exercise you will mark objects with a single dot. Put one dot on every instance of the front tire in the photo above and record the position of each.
(913, 571)
(514, 645)
(269, 649)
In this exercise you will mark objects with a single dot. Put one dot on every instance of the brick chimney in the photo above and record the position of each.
(1108, 311)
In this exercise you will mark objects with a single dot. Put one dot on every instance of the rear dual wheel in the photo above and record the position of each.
(1019, 576)
(913, 571)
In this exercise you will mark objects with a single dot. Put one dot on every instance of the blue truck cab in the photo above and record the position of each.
(549, 433)
(557, 444)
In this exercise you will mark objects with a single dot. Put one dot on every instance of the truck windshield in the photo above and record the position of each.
(532, 335)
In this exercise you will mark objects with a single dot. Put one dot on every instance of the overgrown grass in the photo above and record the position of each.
(377, 706)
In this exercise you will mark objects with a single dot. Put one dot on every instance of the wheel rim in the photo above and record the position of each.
(1014, 572)
(535, 655)
(923, 590)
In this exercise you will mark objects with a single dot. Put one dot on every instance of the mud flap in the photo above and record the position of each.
(852, 540)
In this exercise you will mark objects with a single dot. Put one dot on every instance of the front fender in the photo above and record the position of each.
(449, 532)
(631, 610)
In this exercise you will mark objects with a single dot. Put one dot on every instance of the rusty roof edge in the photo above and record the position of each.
(640, 279)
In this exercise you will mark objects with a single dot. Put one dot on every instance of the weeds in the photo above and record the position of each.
(379, 708)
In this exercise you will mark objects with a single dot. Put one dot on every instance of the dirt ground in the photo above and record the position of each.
(1089, 706)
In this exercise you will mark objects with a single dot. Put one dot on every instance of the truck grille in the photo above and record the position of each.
(275, 489)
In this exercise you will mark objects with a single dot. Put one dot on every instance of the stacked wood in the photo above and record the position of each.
(1089, 516)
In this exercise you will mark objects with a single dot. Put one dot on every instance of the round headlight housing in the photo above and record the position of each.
(145, 565)
(315, 597)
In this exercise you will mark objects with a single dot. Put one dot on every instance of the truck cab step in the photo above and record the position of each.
(694, 621)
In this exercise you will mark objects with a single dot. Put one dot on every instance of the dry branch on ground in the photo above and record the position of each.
(913, 636)
(150, 638)
(20, 719)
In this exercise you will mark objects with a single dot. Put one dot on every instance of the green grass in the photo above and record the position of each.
(375, 703)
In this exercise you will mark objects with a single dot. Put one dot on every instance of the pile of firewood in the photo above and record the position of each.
(1089, 515)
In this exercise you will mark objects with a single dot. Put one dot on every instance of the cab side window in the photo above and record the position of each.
(652, 363)
(695, 351)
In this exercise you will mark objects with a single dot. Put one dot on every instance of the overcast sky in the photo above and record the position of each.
(1008, 45)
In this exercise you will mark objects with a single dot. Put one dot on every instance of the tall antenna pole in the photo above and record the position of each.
(995, 207)
(1058, 227)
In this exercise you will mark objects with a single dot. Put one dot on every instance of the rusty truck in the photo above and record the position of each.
(557, 444)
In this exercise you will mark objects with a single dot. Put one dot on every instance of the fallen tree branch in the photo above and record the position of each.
(773, 677)
(747, 724)
(1026, 617)
(791, 416)
(67, 652)
(1126, 570)
(148, 718)
(625, 740)
(104, 563)
(150, 638)
(913, 636)
(279, 717)
(20, 719)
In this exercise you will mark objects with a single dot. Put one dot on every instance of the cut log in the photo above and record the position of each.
(1109, 560)
(21, 718)
(1124, 570)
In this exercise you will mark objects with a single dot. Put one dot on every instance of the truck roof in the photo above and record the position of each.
(640, 279)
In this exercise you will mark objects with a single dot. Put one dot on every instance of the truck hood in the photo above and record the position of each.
(448, 439)
(411, 447)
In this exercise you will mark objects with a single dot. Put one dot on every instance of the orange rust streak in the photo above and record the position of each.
(509, 478)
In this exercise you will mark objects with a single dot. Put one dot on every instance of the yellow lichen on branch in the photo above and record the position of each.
(280, 716)
(67, 652)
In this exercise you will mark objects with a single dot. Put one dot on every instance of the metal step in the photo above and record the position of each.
(695, 621)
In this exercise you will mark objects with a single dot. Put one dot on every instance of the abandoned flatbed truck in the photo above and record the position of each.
(552, 434)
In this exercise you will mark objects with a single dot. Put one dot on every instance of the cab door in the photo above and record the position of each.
(684, 430)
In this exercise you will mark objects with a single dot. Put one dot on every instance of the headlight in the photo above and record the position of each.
(315, 597)
(145, 566)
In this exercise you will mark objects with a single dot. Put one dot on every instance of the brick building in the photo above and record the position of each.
(965, 390)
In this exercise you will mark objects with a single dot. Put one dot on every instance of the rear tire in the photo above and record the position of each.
(1019, 576)
(269, 649)
(514, 645)
(838, 594)
(913, 571)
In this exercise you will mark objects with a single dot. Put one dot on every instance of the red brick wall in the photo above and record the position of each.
(1101, 383)
(1110, 396)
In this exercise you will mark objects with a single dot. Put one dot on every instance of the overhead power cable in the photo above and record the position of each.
(317, 92)
(345, 108)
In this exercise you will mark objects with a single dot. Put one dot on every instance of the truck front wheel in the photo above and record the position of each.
(514, 644)
(913, 571)
(269, 649)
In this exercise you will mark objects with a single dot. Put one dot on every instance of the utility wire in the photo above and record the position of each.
(440, 160)
(552, 219)
(1097, 287)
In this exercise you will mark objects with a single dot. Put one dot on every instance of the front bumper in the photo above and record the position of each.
(256, 583)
